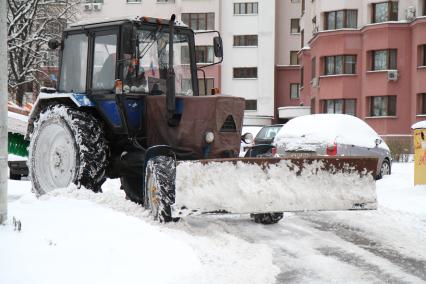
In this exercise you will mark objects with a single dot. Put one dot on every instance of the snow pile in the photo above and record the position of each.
(73, 236)
(324, 129)
(248, 188)
(17, 123)
(418, 125)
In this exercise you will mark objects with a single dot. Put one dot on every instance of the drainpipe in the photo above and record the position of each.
(3, 112)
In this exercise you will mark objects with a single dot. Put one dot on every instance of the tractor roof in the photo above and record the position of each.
(118, 21)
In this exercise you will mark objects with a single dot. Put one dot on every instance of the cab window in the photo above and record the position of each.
(74, 64)
(104, 62)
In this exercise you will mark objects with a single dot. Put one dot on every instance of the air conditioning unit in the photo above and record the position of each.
(393, 75)
(97, 6)
(410, 13)
(88, 7)
(315, 82)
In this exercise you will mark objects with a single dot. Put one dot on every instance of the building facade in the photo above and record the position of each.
(365, 58)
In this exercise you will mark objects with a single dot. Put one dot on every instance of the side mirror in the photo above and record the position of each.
(247, 138)
(218, 46)
(53, 44)
(378, 142)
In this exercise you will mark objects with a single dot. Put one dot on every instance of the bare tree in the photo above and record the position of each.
(31, 24)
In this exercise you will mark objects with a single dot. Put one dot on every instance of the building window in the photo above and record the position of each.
(251, 104)
(424, 8)
(383, 106)
(294, 57)
(302, 38)
(245, 72)
(199, 21)
(245, 40)
(421, 99)
(341, 19)
(346, 106)
(134, 1)
(295, 1)
(164, 1)
(202, 89)
(204, 54)
(313, 67)
(422, 55)
(294, 91)
(384, 59)
(303, 7)
(295, 26)
(385, 11)
(246, 8)
(95, 1)
(340, 64)
(301, 77)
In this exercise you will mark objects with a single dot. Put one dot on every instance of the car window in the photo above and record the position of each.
(268, 132)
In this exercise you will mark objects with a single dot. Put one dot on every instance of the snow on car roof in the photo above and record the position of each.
(420, 124)
(328, 129)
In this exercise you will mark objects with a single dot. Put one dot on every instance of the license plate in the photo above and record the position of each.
(299, 154)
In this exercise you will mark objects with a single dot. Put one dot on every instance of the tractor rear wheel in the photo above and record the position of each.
(160, 188)
(67, 146)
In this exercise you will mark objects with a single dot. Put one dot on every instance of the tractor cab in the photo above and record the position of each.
(133, 51)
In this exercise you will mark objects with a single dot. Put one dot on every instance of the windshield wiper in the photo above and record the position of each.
(155, 34)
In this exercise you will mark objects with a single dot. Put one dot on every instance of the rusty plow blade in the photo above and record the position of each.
(264, 185)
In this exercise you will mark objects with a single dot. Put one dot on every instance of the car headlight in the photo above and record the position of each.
(247, 138)
(209, 137)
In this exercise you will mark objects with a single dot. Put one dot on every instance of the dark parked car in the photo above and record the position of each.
(267, 134)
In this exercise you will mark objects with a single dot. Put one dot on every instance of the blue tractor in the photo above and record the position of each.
(127, 106)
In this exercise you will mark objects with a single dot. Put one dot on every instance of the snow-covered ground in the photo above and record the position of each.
(76, 236)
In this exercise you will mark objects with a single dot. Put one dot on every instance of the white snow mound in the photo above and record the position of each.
(247, 188)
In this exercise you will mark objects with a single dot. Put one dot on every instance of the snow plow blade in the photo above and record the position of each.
(265, 185)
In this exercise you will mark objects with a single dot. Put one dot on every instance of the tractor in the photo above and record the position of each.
(128, 106)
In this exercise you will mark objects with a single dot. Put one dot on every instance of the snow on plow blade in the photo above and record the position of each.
(262, 185)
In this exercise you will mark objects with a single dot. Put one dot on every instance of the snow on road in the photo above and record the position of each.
(76, 236)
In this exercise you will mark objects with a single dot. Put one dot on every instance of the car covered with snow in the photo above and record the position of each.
(332, 135)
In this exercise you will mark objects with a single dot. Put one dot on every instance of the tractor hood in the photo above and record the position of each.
(222, 115)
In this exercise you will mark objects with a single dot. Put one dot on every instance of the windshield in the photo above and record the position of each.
(146, 70)
(268, 132)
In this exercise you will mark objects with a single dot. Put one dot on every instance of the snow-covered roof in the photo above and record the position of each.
(328, 129)
(418, 125)
(96, 21)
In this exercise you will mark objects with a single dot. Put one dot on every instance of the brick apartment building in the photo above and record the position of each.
(365, 58)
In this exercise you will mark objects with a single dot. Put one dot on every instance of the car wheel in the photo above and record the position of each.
(385, 169)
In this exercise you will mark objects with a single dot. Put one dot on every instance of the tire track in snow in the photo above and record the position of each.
(356, 260)
(358, 237)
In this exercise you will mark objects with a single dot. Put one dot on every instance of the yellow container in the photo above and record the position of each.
(419, 153)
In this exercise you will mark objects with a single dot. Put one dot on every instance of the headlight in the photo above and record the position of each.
(247, 138)
(209, 137)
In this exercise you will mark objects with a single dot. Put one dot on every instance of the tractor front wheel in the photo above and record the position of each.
(67, 146)
(160, 188)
